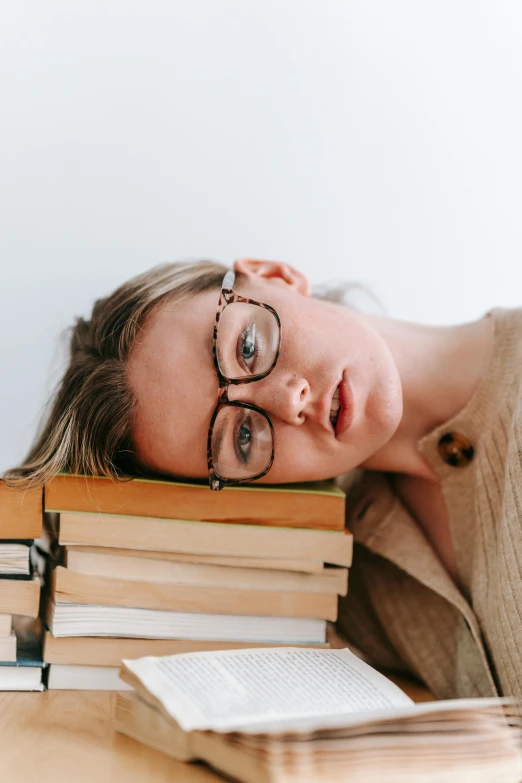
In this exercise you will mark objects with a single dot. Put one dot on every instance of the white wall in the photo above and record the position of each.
(365, 139)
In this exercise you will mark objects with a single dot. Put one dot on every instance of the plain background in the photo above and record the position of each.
(362, 140)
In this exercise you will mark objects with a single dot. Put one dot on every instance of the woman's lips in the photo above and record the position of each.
(345, 417)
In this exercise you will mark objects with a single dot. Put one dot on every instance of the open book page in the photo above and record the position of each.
(238, 689)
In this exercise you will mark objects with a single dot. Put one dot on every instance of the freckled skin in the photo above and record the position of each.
(176, 385)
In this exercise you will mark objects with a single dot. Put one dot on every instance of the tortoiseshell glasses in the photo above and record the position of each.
(246, 345)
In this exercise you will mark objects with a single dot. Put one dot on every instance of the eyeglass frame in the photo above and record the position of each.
(227, 297)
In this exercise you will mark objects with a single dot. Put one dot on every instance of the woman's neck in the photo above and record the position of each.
(440, 368)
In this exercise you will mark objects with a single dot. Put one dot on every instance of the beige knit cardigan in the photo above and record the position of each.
(402, 609)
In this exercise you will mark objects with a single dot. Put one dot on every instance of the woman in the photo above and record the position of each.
(310, 389)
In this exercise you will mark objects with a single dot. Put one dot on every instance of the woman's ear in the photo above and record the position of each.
(276, 272)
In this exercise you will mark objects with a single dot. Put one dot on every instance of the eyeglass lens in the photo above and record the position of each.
(247, 341)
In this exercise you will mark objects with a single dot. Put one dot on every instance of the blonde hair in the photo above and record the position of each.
(88, 428)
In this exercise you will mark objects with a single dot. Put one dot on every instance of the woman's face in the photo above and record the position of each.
(323, 345)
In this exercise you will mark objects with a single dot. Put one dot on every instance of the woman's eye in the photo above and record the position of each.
(248, 348)
(244, 436)
(243, 442)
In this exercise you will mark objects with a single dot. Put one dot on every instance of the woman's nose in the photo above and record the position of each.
(285, 398)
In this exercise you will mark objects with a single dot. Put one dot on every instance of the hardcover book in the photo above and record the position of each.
(318, 505)
(21, 512)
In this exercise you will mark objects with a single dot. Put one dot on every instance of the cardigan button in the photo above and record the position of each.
(456, 450)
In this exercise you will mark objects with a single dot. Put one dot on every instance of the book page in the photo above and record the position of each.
(231, 690)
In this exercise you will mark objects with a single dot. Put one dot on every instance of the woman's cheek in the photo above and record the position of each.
(298, 458)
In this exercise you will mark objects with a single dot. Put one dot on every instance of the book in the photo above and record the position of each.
(281, 715)
(77, 588)
(25, 673)
(6, 624)
(21, 512)
(318, 505)
(264, 563)
(15, 559)
(103, 563)
(8, 648)
(65, 619)
(204, 538)
(109, 651)
(67, 677)
(20, 596)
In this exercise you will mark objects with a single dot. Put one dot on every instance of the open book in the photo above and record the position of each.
(292, 715)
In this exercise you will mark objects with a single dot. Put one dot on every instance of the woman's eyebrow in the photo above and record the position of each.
(219, 437)
(209, 343)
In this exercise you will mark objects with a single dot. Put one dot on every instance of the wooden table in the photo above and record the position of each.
(67, 736)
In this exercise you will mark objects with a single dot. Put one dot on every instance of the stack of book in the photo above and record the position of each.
(160, 567)
(20, 653)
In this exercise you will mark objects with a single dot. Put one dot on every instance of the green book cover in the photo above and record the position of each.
(326, 487)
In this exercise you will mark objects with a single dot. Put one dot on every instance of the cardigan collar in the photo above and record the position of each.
(380, 522)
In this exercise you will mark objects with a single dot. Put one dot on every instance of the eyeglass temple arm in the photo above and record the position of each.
(228, 280)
